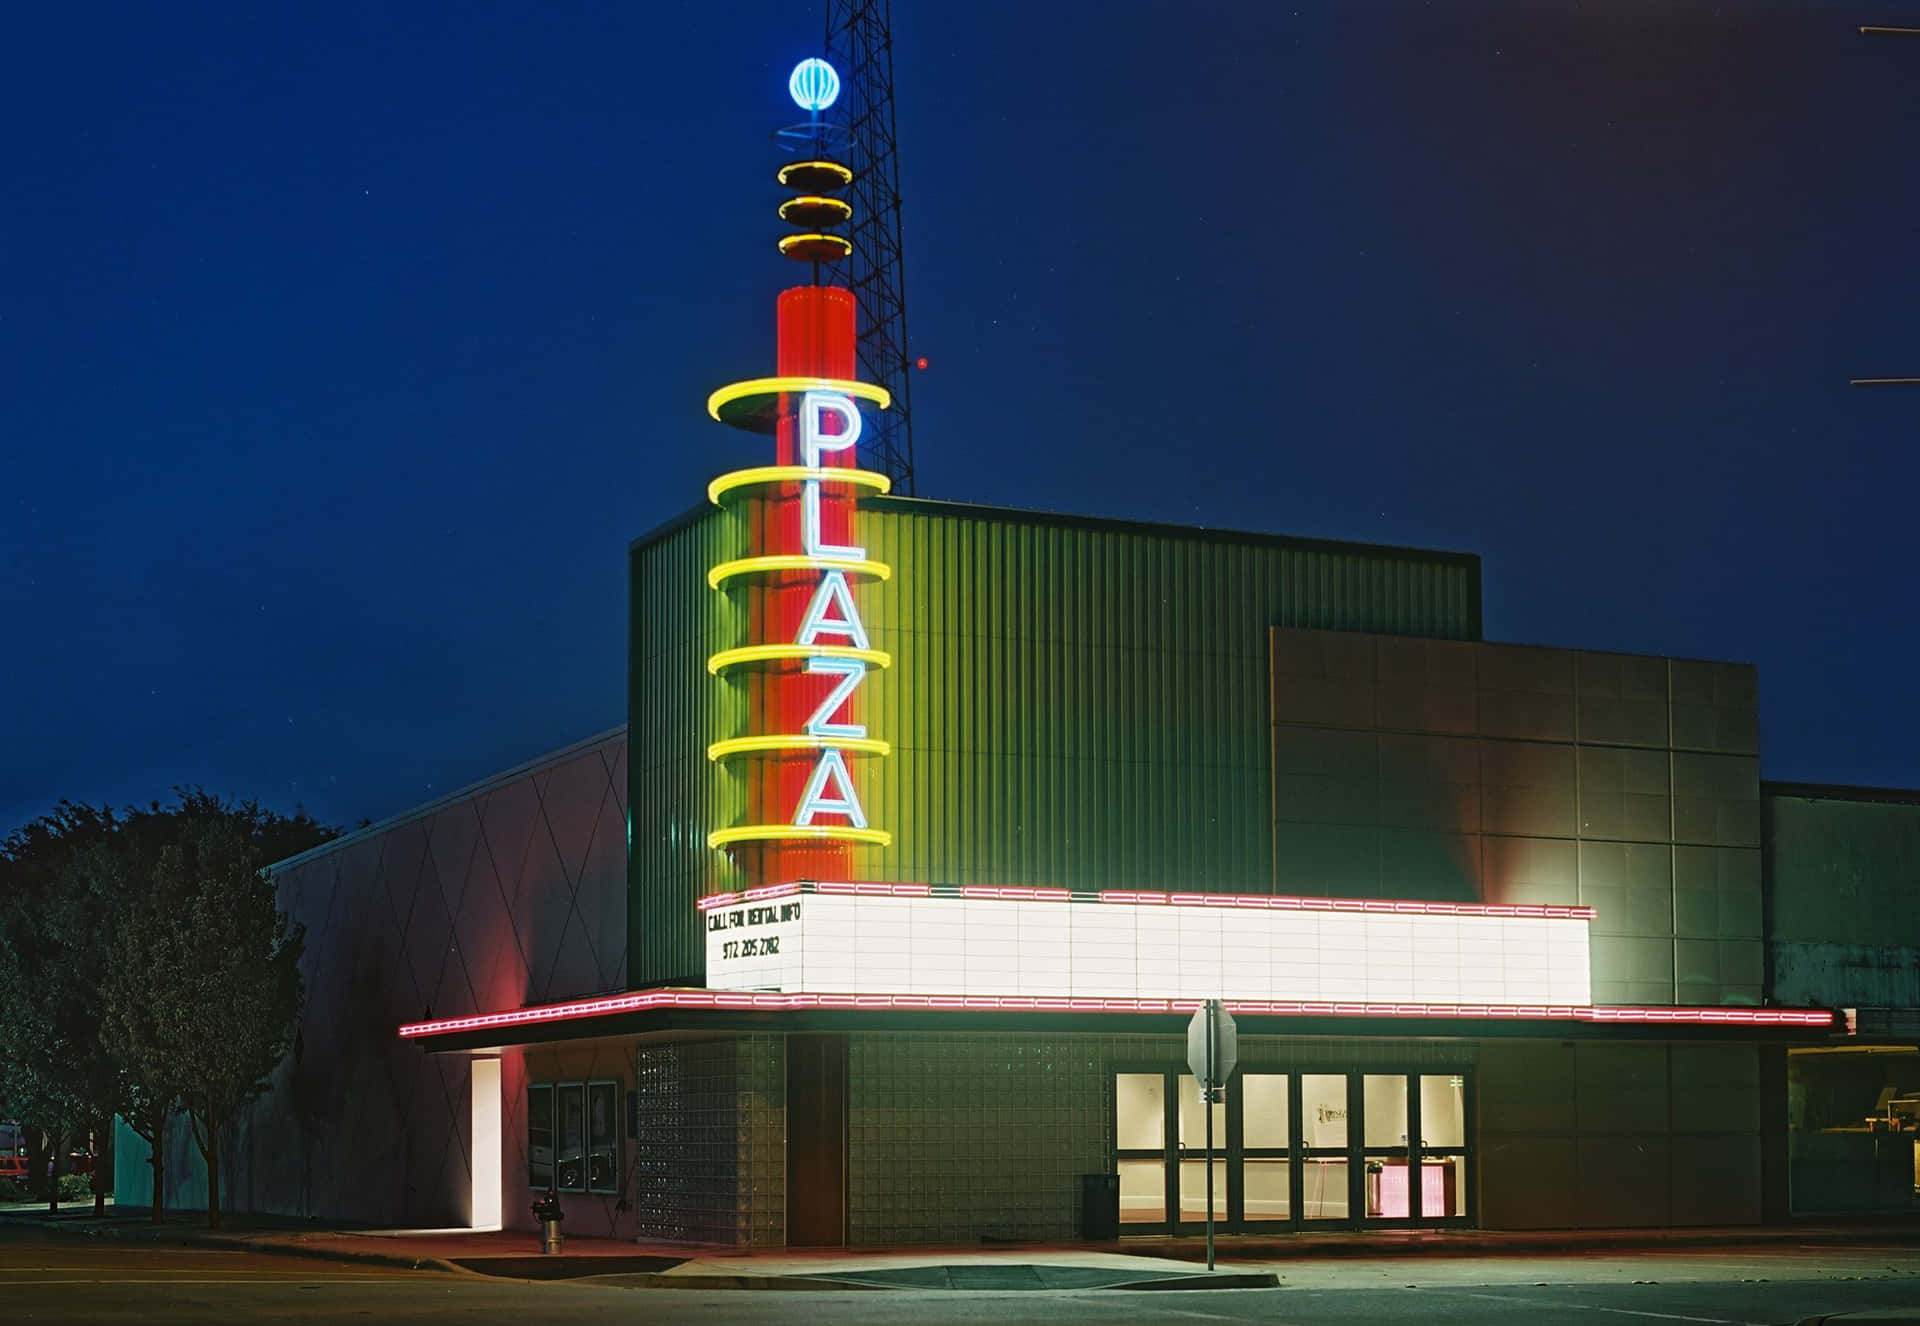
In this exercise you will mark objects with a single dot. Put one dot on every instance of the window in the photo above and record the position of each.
(570, 1158)
(573, 1136)
(540, 1137)
(603, 1137)
(1852, 1116)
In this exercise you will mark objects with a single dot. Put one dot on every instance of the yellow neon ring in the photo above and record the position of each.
(792, 168)
(788, 243)
(733, 391)
(816, 200)
(747, 566)
(761, 743)
(760, 474)
(728, 658)
(845, 833)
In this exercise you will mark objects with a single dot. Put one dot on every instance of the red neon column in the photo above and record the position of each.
(815, 339)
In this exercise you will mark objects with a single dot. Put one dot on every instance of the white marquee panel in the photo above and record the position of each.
(992, 946)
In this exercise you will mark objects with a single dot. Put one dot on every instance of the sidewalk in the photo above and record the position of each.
(1135, 1263)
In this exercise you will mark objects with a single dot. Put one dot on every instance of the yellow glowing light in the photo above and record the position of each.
(788, 243)
(843, 833)
(729, 658)
(793, 168)
(748, 566)
(733, 391)
(760, 474)
(761, 743)
(812, 201)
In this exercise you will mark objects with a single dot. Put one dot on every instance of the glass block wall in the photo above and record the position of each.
(954, 1138)
(710, 1156)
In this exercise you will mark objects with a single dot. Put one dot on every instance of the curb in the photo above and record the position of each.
(333, 1254)
(236, 1243)
(1470, 1246)
(701, 1283)
(1215, 1280)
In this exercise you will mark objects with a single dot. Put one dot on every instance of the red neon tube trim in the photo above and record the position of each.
(748, 1000)
(1251, 901)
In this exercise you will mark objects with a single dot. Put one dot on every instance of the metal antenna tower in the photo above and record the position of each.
(860, 41)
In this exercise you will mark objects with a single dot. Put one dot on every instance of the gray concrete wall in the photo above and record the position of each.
(1505, 773)
(1582, 1135)
(508, 893)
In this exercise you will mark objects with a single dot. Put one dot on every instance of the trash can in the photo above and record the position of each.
(1099, 1207)
(547, 1211)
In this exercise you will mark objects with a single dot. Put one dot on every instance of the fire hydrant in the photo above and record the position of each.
(547, 1211)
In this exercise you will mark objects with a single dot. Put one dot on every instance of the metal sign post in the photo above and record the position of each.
(1211, 1052)
(1213, 1046)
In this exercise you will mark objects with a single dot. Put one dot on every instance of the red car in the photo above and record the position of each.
(13, 1151)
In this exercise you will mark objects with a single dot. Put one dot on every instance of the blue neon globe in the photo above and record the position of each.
(814, 85)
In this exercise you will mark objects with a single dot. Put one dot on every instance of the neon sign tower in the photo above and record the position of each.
(807, 649)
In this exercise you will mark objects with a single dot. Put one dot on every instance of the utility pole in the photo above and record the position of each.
(1881, 30)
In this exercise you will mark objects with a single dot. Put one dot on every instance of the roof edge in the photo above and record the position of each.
(1166, 529)
(1108, 524)
(473, 789)
(1905, 796)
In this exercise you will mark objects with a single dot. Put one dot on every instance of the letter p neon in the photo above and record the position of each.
(815, 406)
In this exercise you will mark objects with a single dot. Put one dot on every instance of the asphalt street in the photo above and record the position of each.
(68, 1279)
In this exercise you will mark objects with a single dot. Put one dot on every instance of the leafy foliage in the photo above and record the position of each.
(144, 966)
(211, 986)
(54, 1070)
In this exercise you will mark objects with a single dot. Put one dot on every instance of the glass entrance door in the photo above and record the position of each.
(1443, 1146)
(1292, 1150)
(1266, 1148)
(1193, 1157)
(1140, 1147)
(1326, 1187)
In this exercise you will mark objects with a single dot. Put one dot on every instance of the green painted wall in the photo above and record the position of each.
(1844, 924)
(1843, 871)
(1072, 702)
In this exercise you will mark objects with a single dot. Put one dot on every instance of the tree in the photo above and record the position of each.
(92, 926)
(149, 1079)
(205, 989)
(57, 1074)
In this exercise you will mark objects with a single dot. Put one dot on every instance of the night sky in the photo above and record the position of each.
(345, 347)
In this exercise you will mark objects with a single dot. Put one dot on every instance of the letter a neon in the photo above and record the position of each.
(851, 672)
(831, 612)
(844, 801)
(814, 405)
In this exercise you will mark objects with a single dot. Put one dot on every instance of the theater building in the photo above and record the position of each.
(881, 919)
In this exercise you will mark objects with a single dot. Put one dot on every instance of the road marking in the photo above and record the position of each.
(1595, 1307)
(258, 1280)
(153, 1270)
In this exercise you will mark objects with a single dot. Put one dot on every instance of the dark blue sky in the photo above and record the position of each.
(345, 347)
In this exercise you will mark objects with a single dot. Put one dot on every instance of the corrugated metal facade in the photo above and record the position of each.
(1073, 702)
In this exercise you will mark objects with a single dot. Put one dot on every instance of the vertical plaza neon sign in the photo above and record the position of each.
(829, 641)
(808, 654)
